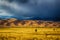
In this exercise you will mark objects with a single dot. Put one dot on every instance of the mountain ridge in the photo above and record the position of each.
(13, 22)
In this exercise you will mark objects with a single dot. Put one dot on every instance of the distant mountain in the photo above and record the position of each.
(13, 22)
(19, 18)
(6, 17)
(46, 19)
(35, 18)
(29, 18)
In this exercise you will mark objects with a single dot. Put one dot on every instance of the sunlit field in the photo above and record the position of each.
(13, 29)
(29, 33)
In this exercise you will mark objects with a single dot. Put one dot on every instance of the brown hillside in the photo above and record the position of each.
(28, 23)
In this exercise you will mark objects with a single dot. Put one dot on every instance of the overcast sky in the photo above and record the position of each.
(31, 9)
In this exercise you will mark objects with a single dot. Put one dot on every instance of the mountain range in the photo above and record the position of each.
(13, 22)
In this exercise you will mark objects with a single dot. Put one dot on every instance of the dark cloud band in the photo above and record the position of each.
(33, 9)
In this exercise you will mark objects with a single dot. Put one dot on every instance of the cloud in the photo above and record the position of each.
(4, 13)
(19, 9)
(32, 8)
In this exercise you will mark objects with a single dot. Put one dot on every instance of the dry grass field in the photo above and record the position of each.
(30, 34)
(13, 29)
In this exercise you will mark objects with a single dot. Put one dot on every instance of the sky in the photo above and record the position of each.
(30, 9)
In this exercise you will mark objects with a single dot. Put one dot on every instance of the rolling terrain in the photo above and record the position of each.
(28, 23)
(13, 29)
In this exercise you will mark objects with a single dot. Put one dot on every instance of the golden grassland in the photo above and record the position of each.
(13, 29)
(30, 33)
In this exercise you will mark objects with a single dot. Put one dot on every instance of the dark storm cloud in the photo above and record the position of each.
(25, 9)
(19, 1)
